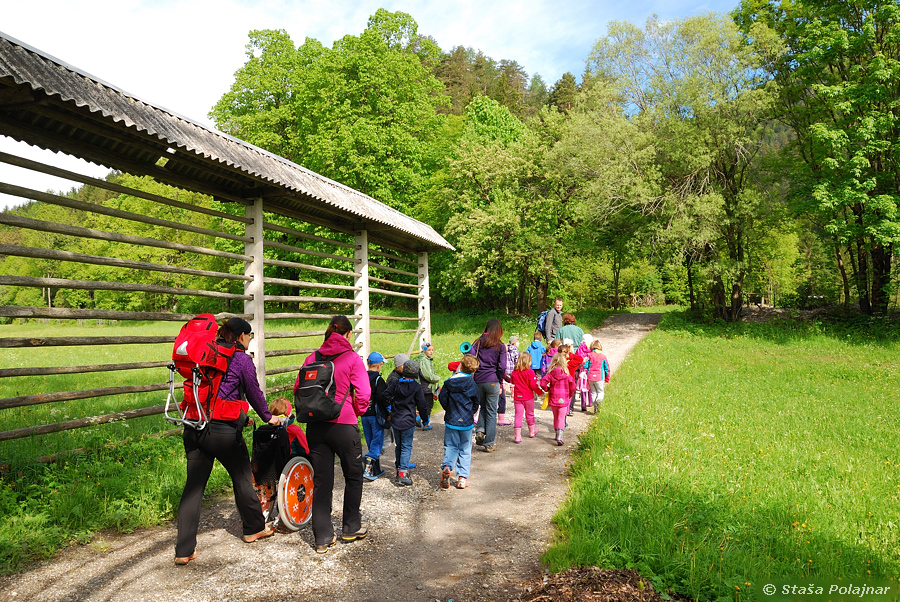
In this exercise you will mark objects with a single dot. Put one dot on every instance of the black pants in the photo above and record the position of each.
(224, 443)
(501, 401)
(325, 440)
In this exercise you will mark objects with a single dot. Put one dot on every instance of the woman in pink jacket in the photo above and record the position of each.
(561, 386)
(339, 436)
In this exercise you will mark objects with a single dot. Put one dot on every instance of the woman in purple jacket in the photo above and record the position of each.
(491, 372)
(223, 441)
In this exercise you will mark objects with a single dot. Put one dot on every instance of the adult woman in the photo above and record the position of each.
(491, 354)
(339, 436)
(570, 331)
(223, 441)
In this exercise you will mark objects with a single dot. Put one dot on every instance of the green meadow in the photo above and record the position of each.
(728, 456)
(128, 478)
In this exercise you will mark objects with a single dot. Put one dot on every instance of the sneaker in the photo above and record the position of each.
(321, 548)
(479, 438)
(445, 478)
(183, 560)
(462, 483)
(360, 534)
(427, 427)
(490, 448)
(418, 422)
(403, 479)
(267, 532)
(411, 465)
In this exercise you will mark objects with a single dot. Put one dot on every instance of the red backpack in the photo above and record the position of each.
(202, 361)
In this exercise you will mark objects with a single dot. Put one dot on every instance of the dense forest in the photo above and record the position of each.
(709, 161)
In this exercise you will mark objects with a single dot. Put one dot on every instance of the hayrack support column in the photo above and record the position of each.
(425, 301)
(256, 306)
(361, 267)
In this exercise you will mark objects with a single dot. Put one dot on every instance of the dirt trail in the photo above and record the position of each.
(424, 544)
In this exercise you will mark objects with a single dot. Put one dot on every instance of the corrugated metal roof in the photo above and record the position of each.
(109, 126)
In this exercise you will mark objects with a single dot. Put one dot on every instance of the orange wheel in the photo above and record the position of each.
(295, 491)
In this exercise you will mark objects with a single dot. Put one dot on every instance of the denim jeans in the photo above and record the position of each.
(458, 450)
(374, 435)
(403, 442)
(488, 398)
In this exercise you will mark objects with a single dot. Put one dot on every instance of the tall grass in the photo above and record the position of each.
(725, 456)
(138, 483)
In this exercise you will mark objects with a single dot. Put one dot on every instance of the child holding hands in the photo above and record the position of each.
(561, 386)
(459, 398)
(525, 388)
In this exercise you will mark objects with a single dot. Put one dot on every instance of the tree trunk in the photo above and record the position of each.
(862, 278)
(617, 268)
(689, 263)
(718, 297)
(843, 270)
(543, 286)
(881, 277)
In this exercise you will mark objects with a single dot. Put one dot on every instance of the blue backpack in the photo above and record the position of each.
(542, 322)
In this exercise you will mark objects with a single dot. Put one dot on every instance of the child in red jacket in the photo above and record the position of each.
(525, 387)
(561, 386)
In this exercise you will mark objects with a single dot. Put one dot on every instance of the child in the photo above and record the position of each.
(536, 351)
(582, 388)
(459, 398)
(545, 361)
(512, 356)
(373, 431)
(525, 388)
(280, 406)
(429, 380)
(405, 396)
(573, 363)
(560, 384)
(598, 373)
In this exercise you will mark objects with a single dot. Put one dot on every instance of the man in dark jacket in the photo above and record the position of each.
(459, 398)
(553, 322)
(405, 397)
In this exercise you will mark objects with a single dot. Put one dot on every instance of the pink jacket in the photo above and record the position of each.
(561, 386)
(599, 369)
(348, 370)
(525, 385)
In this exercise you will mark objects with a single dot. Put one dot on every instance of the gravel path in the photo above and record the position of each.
(424, 543)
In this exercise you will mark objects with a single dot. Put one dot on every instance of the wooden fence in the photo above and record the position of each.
(269, 290)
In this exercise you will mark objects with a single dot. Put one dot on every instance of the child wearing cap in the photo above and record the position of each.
(429, 380)
(373, 429)
(405, 396)
(459, 398)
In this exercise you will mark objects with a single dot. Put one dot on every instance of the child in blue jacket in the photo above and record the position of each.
(405, 396)
(459, 398)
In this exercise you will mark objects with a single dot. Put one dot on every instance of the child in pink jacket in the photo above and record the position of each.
(525, 387)
(561, 386)
(598, 373)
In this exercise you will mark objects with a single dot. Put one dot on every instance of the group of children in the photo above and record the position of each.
(558, 374)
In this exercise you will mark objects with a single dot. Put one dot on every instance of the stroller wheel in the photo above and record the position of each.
(295, 491)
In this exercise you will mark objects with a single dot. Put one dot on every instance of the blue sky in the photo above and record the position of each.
(182, 54)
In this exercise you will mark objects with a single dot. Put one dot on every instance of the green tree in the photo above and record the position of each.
(562, 96)
(837, 68)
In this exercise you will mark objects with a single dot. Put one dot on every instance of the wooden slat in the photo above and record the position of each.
(283, 370)
(30, 400)
(53, 254)
(41, 226)
(298, 234)
(81, 450)
(284, 352)
(395, 318)
(297, 335)
(60, 313)
(378, 266)
(45, 429)
(391, 282)
(286, 299)
(76, 177)
(19, 342)
(278, 389)
(9, 372)
(394, 293)
(394, 257)
(304, 266)
(299, 316)
(114, 286)
(61, 201)
(394, 331)
(303, 284)
(302, 251)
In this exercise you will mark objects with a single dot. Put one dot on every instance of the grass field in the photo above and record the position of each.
(726, 456)
(126, 486)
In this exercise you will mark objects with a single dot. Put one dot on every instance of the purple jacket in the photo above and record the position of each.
(492, 362)
(241, 378)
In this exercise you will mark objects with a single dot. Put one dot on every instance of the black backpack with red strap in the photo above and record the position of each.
(315, 398)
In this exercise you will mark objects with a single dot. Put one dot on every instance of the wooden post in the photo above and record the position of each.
(425, 302)
(256, 305)
(361, 281)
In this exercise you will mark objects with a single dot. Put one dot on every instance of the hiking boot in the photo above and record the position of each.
(445, 478)
(183, 560)
(321, 548)
(427, 427)
(479, 438)
(490, 448)
(267, 532)
(403, 479)
(360, 534)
